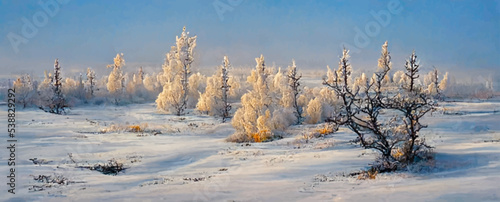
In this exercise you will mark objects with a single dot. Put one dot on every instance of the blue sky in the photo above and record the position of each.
(451, 35)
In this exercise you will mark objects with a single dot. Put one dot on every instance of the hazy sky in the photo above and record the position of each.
(451, 35)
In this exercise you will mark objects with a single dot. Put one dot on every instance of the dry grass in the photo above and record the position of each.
(368, 175)
(139, 128)
(261, 136)
(327, 129)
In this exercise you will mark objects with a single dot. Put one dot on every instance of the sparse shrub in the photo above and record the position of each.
(48, 181)
(141, 128)
(112, 167)
(395, 138)
(368, 174)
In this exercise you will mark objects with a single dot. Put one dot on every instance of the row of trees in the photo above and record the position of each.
(54, 90)
(384, 111)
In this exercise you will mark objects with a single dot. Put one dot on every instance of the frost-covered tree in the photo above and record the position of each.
(115, 83)
(69, 87)
(90, 83)
(411, 74)
(44, 90)
(434, 86)
(214, 100)
(384, 66)
(197, 85)
(176, 72)
(171, 98)
(294, 84)
(25, 90)
(444, 82)
(395, 138)
(398, 78)
(80, 88)
(225, 88)
(140, 75)
(414, 103)
(360, 82)
(152, 84)
(135, 85)
(360, 111)
(254, 105)
(314, 110)
(261, 116)
(432, 82)
(57, 103)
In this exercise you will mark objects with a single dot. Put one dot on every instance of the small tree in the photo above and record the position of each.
(255, 106)
(91, 83)
(361, 108)
(294, 84)
(25, 90)
(214, 101)
(57, 103)
(261, 116)
(80, 88)
(115, 83)
(140, 75)
(435, 87)
(225, 87)
(414, 103)
(444, 83)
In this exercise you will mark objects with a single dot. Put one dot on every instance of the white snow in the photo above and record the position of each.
(191, 161)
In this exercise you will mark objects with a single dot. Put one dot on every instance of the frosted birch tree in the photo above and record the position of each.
(176, 71)
(295, 91)
(214, 100)
(57, 103)
(25, 90)
(115, 83)
(261, 116)
(90, 83)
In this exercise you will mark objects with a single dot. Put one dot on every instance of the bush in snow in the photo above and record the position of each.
(322, 103)
(395, 138)
(261, 115)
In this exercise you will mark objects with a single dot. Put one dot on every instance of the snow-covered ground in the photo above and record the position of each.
(190, 160)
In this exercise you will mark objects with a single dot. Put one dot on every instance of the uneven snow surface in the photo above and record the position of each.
(190, 161)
